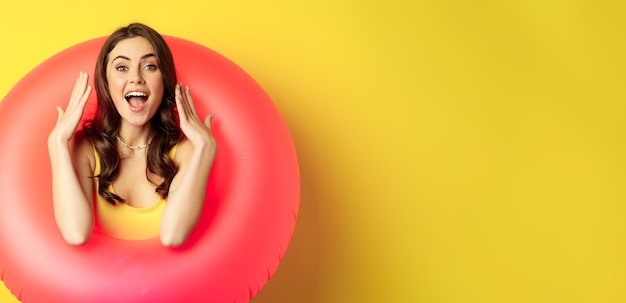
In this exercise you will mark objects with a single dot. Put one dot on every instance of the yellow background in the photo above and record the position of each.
(450, 151)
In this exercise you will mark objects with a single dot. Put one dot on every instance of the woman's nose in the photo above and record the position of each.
(135, 76)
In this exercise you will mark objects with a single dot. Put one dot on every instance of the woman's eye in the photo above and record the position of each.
(150, 67)
(121, 68)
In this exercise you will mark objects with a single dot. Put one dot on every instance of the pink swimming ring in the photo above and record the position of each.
(246, 225)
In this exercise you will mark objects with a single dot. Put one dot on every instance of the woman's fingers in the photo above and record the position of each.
(80, 93)
(183, 99)
(84, 90)
(59, 113)
(182, 112)
(75, 90)
(85, 97)
(69, 118)
(80, 88)
(195, 130)
(192, 107)
(207, 120)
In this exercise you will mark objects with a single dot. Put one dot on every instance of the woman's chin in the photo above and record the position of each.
(135, 120)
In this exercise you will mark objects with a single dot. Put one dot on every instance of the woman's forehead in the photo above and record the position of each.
(136, 48)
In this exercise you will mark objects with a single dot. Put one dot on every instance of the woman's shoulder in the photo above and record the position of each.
(184, 150)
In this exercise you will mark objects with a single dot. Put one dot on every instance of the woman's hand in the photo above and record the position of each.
(198, 133)
(67, 121)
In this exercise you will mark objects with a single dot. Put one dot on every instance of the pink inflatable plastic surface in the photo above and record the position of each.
(246, 225)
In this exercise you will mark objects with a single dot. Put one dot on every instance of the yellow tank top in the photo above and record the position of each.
(123, 221)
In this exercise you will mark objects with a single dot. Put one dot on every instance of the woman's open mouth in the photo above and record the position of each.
(136, 100)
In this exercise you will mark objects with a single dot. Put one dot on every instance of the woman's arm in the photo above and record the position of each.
(188, 189)
(72, 186)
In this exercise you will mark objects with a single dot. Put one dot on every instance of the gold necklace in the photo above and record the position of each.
(131, 146)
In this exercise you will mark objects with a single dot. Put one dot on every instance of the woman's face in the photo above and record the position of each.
(135, 80)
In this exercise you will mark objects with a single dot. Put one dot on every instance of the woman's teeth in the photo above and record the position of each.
(135, 94)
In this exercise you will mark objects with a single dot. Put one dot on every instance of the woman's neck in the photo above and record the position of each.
(134, 136)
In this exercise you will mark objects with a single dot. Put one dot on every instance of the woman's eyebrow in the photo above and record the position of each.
(120, 57)
(148, 56)
(126, 58)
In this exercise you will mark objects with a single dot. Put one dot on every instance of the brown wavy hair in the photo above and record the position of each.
(104, 126)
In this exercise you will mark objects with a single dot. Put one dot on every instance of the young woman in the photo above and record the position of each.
(139, 168)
